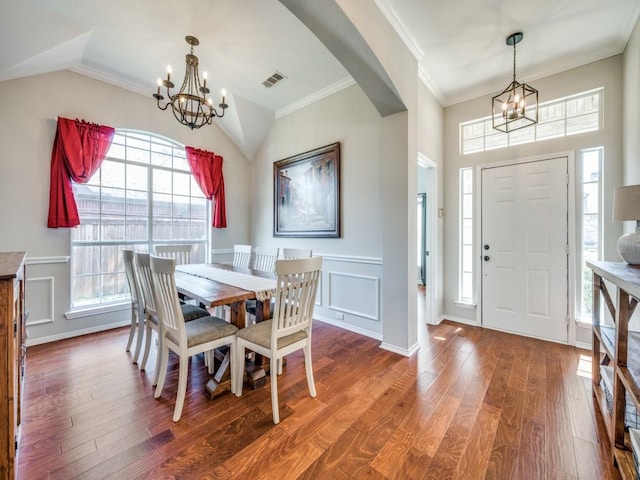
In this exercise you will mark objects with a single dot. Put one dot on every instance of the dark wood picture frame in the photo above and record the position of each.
(306, 194)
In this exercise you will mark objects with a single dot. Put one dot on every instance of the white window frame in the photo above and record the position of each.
(584, 282)
(466, 238)
(122, 145)
(556, 112)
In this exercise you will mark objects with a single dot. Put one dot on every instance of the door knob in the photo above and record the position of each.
(486, 247)
(486, 258)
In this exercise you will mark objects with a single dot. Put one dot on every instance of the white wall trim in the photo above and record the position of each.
(41, 321)
(316, 96)
(45, 260)
(400, 29)
(350, 328)
(407, 352)
(88, 312)
(222, 251)
(350, 259)
(376, 280)
(468, 305)
(76, 333)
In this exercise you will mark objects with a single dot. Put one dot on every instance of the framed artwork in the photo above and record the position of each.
(306, 194)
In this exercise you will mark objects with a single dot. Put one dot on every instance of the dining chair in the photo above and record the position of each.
(241, 256)
(180, 253)
(189, 312)
(185, 339)
(265, 258)
(137, 305)
(289, 253)
(289, 329)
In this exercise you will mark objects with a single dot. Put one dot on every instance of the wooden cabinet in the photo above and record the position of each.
(12, 357)
(621, 350)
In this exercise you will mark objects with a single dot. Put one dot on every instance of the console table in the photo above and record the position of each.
(621, 350)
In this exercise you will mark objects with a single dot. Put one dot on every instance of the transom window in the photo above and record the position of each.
(143, 195)
(558, 118)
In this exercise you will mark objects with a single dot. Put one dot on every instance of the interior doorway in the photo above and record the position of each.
(426, 268)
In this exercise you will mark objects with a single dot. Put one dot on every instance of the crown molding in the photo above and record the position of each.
(400, 29)
(314, 97)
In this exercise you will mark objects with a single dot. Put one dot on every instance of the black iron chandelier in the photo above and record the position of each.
(190, 105)
(517, 105)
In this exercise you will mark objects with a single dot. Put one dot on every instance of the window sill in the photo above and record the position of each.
(468, 305)
(87, 312)
(583, 323)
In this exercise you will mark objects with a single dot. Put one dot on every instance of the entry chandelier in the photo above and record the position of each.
(517, 105)
(190, 105)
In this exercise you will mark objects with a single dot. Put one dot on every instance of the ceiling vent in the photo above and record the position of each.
(273, 80)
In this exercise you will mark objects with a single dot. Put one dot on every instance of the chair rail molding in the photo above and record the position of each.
(46, 260)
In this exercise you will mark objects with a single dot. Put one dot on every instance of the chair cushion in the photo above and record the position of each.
(191, 312)
(260, 334)
(205, 329)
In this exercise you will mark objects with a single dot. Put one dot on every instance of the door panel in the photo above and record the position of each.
(524, 271)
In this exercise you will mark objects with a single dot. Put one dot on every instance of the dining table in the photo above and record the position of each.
(218, 284)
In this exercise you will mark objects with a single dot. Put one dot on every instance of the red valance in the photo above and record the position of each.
(78, 151)
(207, 170)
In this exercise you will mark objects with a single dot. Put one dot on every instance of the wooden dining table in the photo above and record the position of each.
(211, 293)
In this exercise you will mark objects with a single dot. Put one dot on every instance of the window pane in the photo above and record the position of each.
(137, 203)
(162, 205)
(181, 183)
(137, 177)
(112, 227)
(116, 151)
(112, 174)
(112, 201)
(467, 258)
(590, 203)
(85, 291)
(114, 287)
(467, 206)
(161, 181)
(591, 166)
(550, 130)
(86, 260)
(161, 160)
(137, 155)
(467, 285)
(137, 228)
(198, 229)
(590, 232)
(180, 162)
(584, 123)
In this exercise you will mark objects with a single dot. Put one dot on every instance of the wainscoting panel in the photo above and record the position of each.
(355, 294)
(39, 300)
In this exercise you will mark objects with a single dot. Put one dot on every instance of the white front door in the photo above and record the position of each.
(524, 248)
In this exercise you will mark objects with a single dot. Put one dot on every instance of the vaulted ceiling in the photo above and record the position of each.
(460, 46)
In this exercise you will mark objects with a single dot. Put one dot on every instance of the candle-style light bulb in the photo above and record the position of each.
(169, 71)
(204, 76)
(159, 85)
(224, 93)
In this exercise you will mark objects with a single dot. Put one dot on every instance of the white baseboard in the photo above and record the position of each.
(464, 321)
(76, 333)
(351, 328)
(406, 352)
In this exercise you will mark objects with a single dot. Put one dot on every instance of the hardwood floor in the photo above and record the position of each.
(471, 404)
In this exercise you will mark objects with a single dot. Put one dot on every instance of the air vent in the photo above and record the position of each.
(273, 80)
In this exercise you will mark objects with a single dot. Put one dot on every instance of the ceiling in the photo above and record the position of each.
(460, 47)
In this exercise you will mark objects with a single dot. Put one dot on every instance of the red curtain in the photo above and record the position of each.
(207, 170)
(78, 151)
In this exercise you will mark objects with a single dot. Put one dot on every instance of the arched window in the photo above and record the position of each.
(143, 195)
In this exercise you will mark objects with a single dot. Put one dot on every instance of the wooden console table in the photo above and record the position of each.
(621, 350)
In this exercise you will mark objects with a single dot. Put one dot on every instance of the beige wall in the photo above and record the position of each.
(31, 106)
(606, 73)
(631, 136)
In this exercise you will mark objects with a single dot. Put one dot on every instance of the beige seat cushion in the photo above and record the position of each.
(260, 334)
(191, 312)
(205, 329)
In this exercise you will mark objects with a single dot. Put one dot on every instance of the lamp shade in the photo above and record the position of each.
(626, 203)
(626, 206)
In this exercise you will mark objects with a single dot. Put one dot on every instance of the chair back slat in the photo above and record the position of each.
(241, 256)
(265, 259)
(180, 253)
(289, 253)
(143, 267)
(132, 279)
(296, 290)
(166, 297)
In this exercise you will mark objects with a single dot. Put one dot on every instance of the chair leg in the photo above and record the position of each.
(132, 330)
(274, 392)
(159, 354)
(182, 386)
(309, 368)
(233, 367)
(280, 363)
(141, 326)
(238, 367)
(147, 347)
(163, 370)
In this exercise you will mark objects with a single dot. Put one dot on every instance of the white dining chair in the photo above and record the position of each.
(189, 312)
(137, 305)
(289, 329)
(185, 339)
(241, 256)
(289, 253)
(264, 259)
(180, 253)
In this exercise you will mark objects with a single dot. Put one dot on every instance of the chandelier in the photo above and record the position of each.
(190, 105)
(517, 105)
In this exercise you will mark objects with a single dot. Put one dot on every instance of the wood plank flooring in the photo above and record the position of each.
(471, 404)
